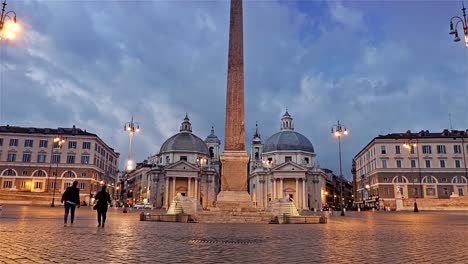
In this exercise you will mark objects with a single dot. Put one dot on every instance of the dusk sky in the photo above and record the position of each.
(378, 67)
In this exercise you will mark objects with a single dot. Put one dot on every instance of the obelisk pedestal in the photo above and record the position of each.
(234, 159)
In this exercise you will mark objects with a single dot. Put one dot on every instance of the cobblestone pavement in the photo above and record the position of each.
(34, 234)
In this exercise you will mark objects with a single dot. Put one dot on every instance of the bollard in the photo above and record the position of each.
(373, 209)
(124, 209)
(359, 209)
(1, 208)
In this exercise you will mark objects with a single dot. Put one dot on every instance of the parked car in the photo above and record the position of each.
(139, 206)
(148, 206)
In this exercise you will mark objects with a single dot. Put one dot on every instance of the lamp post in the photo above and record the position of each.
(58, 141)
(338, 131)
(12, 27)
(131, 127)
(410, 145)
(458, 20)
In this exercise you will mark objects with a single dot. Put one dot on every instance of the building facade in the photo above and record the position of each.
(396, 169)
(32, 162)
(285, 167)
(185, 164)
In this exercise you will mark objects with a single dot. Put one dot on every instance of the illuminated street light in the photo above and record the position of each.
(8, 28)
(410, 145)
(131, 127)
(339, 130)
(58, 142)
(464, 23)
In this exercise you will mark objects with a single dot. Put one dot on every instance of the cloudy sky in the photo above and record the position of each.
(378, 67)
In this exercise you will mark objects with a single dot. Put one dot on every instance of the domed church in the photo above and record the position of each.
(185, 164)
(285, 167)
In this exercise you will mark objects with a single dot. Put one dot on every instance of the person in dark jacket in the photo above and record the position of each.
(71, 197)
(103, 201)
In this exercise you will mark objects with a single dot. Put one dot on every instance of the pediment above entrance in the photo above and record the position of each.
(181, 165)
(289, 167)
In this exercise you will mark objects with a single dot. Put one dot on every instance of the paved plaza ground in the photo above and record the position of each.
(35, 234)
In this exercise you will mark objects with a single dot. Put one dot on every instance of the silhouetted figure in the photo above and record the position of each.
(103, 201)
(71, 197)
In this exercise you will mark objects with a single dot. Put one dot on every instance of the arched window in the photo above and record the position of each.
(429, 179)
(69, 174)
(39, 173)
(459, 179)
(9, 172)
(400, 179)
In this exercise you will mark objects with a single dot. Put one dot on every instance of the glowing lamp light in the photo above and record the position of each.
(326, 193)
(102, 182)
(13, 26)
(367, 186)
(346, 132)
(337, 134)
(130, 165)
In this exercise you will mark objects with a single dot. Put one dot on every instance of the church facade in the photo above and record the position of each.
(185, 164)
(285, 166)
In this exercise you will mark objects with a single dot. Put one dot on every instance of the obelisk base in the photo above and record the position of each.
(234, 193)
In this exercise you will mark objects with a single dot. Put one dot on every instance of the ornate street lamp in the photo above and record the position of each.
(131, 127)
(58, 142)
(338, 131)
(458, 20)
(11, 27)
(411, 145)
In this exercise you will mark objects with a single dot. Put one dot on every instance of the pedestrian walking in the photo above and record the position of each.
(103, 201)
(70, 200)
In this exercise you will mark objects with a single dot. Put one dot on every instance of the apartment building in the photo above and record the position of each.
(34, 160)
(395, 170)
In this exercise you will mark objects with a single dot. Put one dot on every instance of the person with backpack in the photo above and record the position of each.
(71, 200)
(103, 201)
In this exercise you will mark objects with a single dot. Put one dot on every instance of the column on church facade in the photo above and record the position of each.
(196, 189)
(304, 201)
(173, 188)
(282, 188)
(166, 193)
(274, 188)
(296, 199)
(189, 191)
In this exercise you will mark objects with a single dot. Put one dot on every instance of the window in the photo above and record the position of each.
(83, 174)
(413, 163)
(26, 157)
(84, 159)
(41, 158)
(28, 143)
(441, 149)
(386, 192)
(23, 184)
(13, 142)
(412, 149)
(25, 173)
(398, 163)
(1, 141)
(68, 184)
(428, 163)
(460, 192)
(383, 150)
(446, 191)
(11, 157)
(86, 145)
(384, 164)
(429, 179)
(39, 173)
(397, 149)
(287, 158)
(38, 185)
(167, 159)
(442, 163)
(71, 159)
(306, 160)
(458, 179)
(82, 185)
(69, 174)
(56, 158)
(43, 143)
(183, 158)
(457, 163)
(385, 179)
(10, 172)
(430, 191)
(7, 184)
(426, 149)
(72, 144)
(456, 149)
(52, 185)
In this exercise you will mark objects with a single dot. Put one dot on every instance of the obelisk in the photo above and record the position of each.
(234, 159)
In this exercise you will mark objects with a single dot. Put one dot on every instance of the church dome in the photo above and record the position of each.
(287, 138)
(185, 141)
